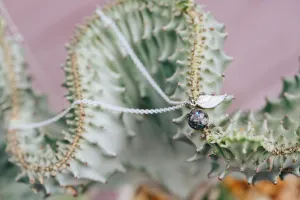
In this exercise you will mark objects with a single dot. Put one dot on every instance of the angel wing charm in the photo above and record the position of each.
(210, 101)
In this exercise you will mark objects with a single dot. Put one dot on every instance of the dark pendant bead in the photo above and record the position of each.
(198, 119)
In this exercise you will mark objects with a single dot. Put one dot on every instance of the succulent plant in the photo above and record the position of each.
(97, 143)
(181, 46)
(9, 188)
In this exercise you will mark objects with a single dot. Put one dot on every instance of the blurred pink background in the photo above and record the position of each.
(264, 39)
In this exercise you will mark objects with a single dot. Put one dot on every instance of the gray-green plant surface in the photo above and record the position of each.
(182, 47)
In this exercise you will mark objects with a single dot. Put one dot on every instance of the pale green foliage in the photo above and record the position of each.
(9, 188)
(114, 142)
(265, 144)
(91, 144)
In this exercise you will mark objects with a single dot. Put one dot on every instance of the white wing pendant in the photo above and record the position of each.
(210, 101)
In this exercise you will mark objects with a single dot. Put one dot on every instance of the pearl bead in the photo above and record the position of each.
(197, 119)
